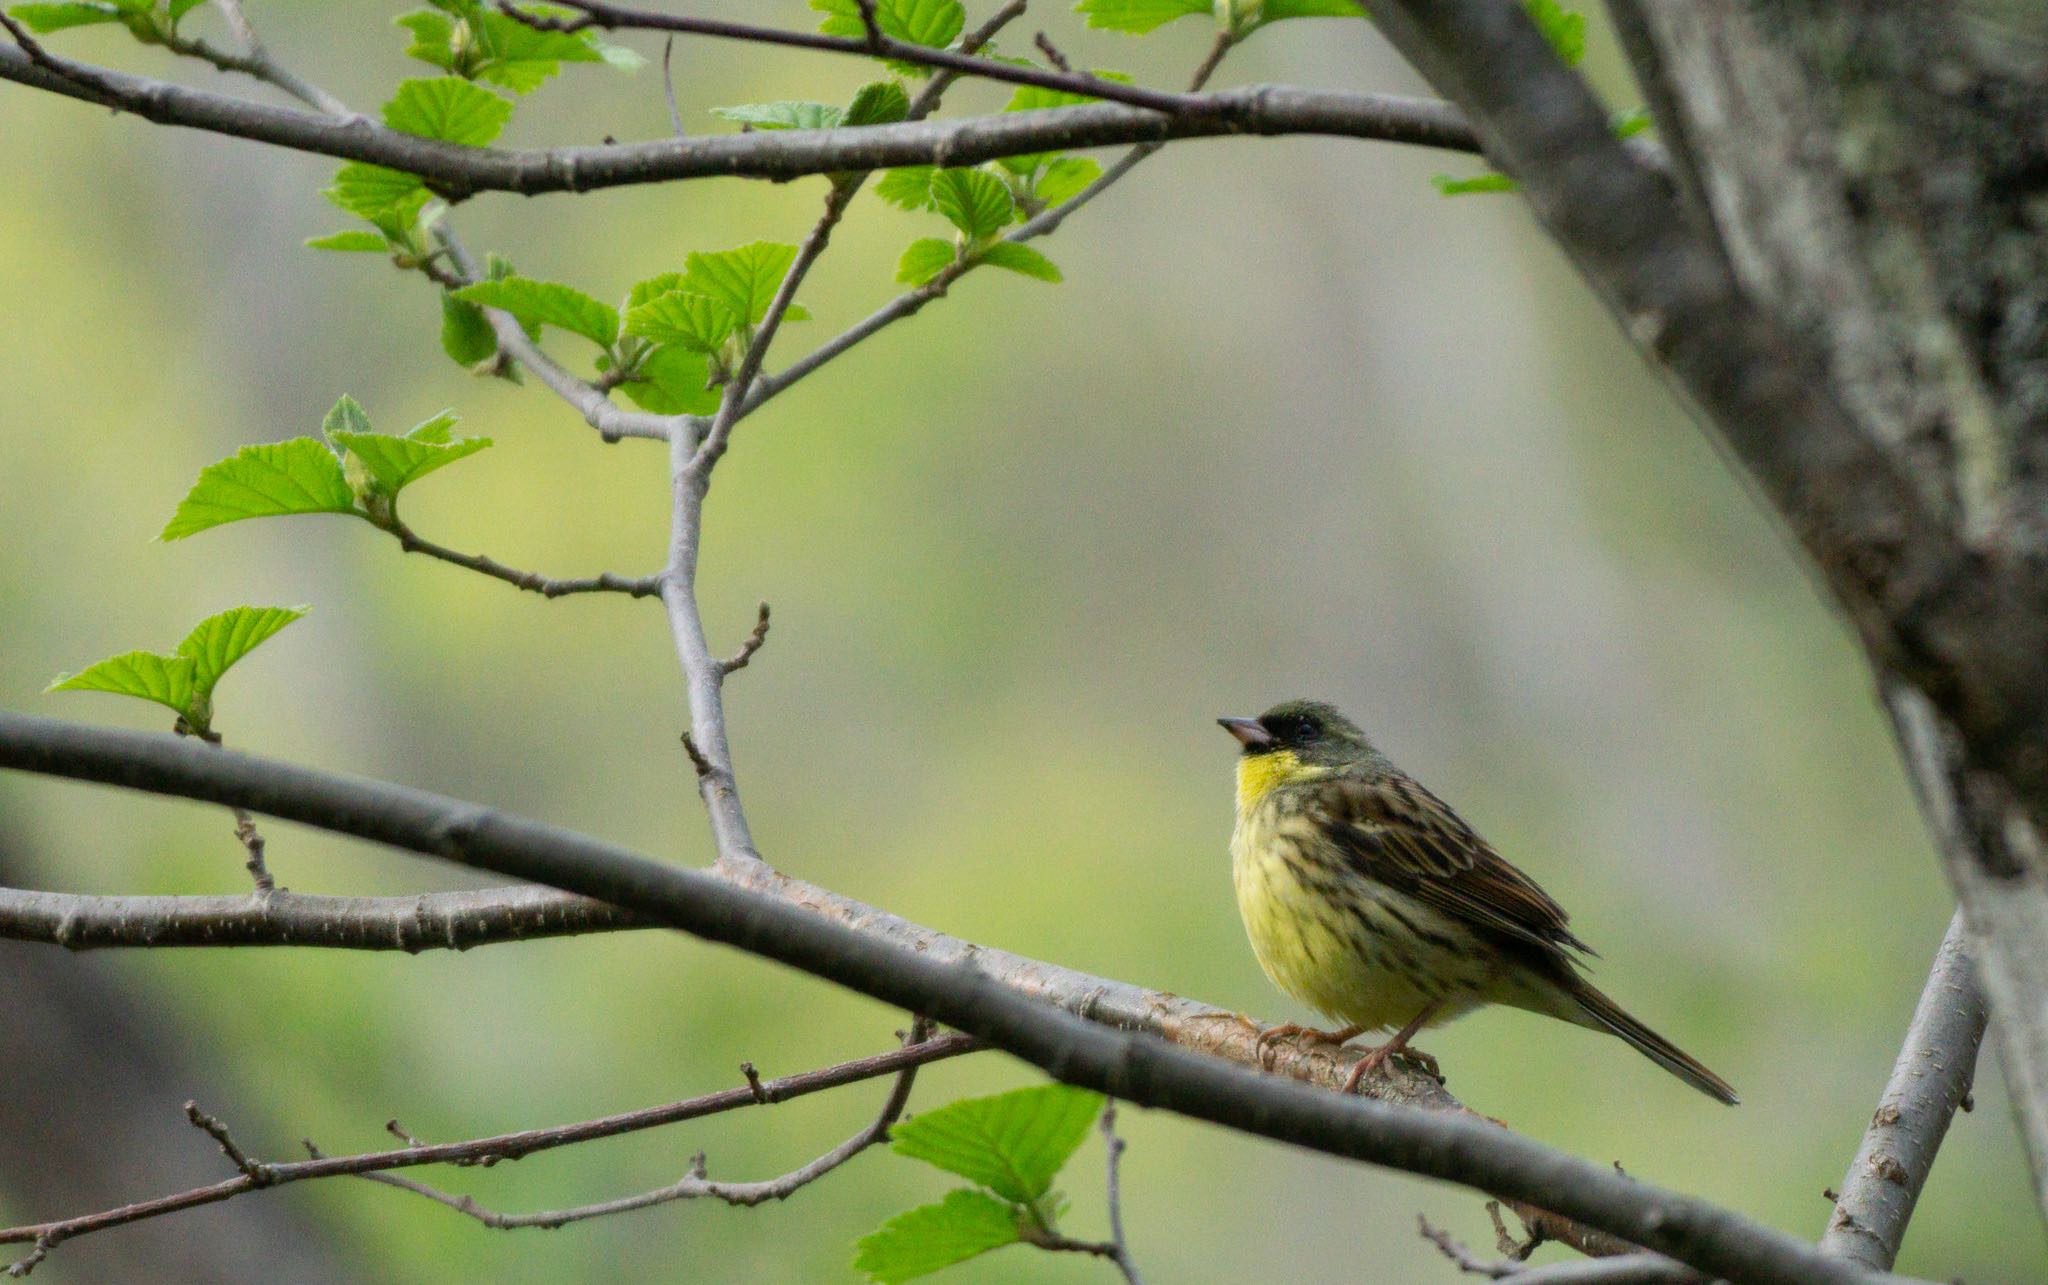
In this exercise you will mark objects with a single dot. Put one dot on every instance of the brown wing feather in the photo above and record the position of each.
(1395, 831)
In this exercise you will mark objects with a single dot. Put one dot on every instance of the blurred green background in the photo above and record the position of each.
(1295, 424)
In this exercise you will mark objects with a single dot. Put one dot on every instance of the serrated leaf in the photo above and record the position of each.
(1278, 10)
(929, 1237)
(357, 242)
(276, 478)
(881, 103)
(345, 416)
(658, 284)
(146, 675)
(42, 19)
(435, 430)
(466, 334)
(973, 200)
(447, 108)
(673, 381)
(1020, 258)
(391, 199)
(394, 463)
(547, 303)
(1064, 178)
(1138, 17)
(1447, 185)
(217, 642)
(1038, 98)
(907, 188)
(783, 115)
(1565, 29)
(936, 23)
(684, 318)
(482, 44)
(924, 259)
(1012, 1143)
(743, 279)
(433, 37)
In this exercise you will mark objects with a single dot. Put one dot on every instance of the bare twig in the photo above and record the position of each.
(1051, 52)
(1930, 1079)
(697, 760)
(533, 582)
(668, 89)
(695, 1185)
(254, 1175)
(246, 832)
(738, 660)
(255, 60)
(1113, 1155)
(429, 921)
(1624, 1269)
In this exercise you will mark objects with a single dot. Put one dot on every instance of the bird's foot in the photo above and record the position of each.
(1374, 1059)
(1264, 1045)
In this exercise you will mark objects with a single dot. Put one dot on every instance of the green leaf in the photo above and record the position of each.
(936, 23)
(1632, 121)
(391, 199)
(296, 476)
(1447, 185)
(1020, 258)
(907, 188)
(1037, 98)
(659, 284)
(1064, 178)
(547, 303)
(924, 259)
(43, 19)
(217, 642)
(433, 37)
(359, 241)
(684, 318)
(167, 680)
(973, 200)
(394, 463)
(783, 115)
(882, 102)
(1277, 10)
(466, 334)
(1138, 16)
(449, 109)
(179, 8)
(435, 430)
(1562, 27)
(482, 44)
(673, 381)
(345, 416)
(1012, 1143)
(743, 279)
(930, 1237)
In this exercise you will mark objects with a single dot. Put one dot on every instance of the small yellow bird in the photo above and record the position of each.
(1368, 899)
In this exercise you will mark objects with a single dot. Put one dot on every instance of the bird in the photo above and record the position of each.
(1367, 898)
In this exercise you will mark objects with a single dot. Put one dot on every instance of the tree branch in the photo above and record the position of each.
(1129, 1066)
(253, 1176)
(428, 921)
(459, 172)
(1930, 1079)
(533, 582)
(1625, 1269)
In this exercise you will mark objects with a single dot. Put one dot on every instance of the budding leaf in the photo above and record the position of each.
(908, 188)
(466, 334)
(881, 103)
(936, 23)
(276, 478)
(673, 381)
(682, 317)
(1565, 29)
(43, 19)
(391, 199)
(1064, 178)
(1013, 1143)
(783, 115)
(972, 200)
(184, 680)
(743, 279)
(547, 303)
(394, 463)
(357, 241)
(1020, 258)
(1138, 16)
(924, 259)
(931, 1237)
(449, 109)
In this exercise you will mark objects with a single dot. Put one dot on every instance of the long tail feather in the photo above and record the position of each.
(1606, 1015)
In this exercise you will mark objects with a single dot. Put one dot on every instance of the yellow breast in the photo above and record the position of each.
(1259, 774)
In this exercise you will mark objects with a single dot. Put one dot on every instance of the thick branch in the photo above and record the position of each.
(429, 921)
(461, 171)
(1929, 1081)
(1131, 1067)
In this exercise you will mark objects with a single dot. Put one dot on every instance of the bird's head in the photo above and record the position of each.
(1310, 732)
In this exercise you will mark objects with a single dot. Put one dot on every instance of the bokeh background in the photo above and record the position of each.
(1295, 424)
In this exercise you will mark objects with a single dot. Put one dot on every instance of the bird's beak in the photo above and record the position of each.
(1248, 732)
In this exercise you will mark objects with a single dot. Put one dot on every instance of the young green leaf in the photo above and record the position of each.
(1037, 98)
(1064, 178)
(882, 102)
(146, 675)
(1564, 28)
(357, 241)
(391, 199)
(434, 430)
(783, 115)
(449, 109)
(1276, 10)
(276, 478)
(1138, 17)
(659, 284)
(936, 23)
(394, 463)
(43, 19)
(345, 416)
(184, 681)
(1632, 121)
(547, 303)
(743, 279)
(1020, 258)
(672, 381)
(481, 44)
(217, 642)
(1012, 1143)
(684, 318)
(973, 200)
(924, 259)
(1446, 185)
(925, 1239)
(907, 188)
(466, 334)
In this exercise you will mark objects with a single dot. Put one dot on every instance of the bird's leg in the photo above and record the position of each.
(1377, 1058)
(1264, 1044)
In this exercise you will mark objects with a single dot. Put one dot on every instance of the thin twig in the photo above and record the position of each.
(547, 587)
(1624, 1269)
(246, 832)
(1929, 1081)
(694, 1185)
(668, 88)
(254, 1175)
(738, 660)
(1113, 1154)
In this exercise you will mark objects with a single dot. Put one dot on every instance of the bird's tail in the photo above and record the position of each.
(1603, 1014)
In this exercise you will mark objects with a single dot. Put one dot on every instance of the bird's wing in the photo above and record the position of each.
(1393, 830)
